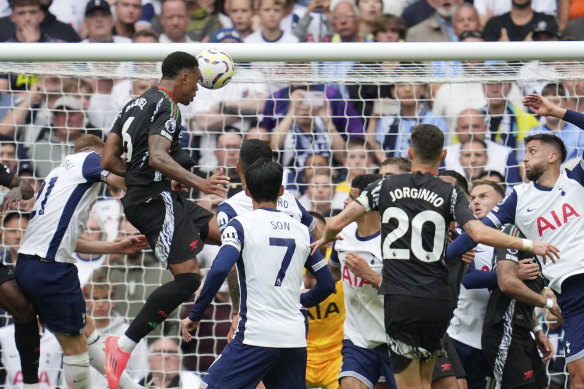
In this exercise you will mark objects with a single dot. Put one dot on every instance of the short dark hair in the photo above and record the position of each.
(475, 140)
(402, 163)
(252, 150)
(146, 33)
(497, 187)
(460, 180)
(25, 3)
(13, 215)
(176, 62)
(492, 173)
(550, 139)
(362, 181)
(554, 89)
(388, 22)
(427, 142)
(264, 179)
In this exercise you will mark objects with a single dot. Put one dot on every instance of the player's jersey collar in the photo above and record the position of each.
(270, 209)
(167, 92)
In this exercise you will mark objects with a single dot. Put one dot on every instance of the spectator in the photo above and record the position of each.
(145, 36)
(438, 27)
(99, 296)
(50, 361)
(8, 156)
(369, 11)
(507, 122)
(27, 17)
(466, 18)
(473, 158)
(174, 19)
(542, 31)
(227, 35)
(127, 14)
(417, 12)
(258, 132)
(87, 263)
(571, 135)
(574, 30)
(343, 114)
(345, 22)
(227, 154)
(49, 24)
(389, 28)
(296, 180)
(395, 165)
(13, 225)
(319, 193)
(70, 12)
(489, 8)
(236, 108)
(164, 363)
(100, 24)
(315, 25)
(204, 19)
(356, 161)
(31, 110)
(270, 13)
(471, 125)
(390, 135)
(59, 137)
(306, 129)
(569, 10)
(515, 25)
(241, 13)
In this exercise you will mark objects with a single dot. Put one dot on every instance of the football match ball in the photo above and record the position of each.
(216, 68)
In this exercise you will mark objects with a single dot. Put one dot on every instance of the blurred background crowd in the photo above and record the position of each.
(323, 134)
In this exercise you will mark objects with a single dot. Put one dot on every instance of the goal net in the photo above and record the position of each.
(326, 120)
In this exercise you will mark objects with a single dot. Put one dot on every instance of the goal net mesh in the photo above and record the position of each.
(311, 113)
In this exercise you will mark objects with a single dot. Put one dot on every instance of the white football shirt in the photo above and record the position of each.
(466, 325)
(241, 204)
(553, 215)
(364, 325)
(60, 212)
(273, 252)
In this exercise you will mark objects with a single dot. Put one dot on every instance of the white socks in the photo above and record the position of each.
(126, 344)
(76, 369)
(97, 360)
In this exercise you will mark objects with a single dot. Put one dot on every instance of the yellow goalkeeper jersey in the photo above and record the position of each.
(325, 337)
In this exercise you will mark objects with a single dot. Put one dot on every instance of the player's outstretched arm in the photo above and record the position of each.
(221, 267)
(325, 285)
(111, 158)
(335, 224)
(491, 237)
(126, 245)
(543, 107)
(19, 190)
(160, 159)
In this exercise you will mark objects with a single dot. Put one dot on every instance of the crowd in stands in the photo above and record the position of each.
(323, 135)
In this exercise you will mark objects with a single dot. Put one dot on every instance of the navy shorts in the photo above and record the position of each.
(55, 292)
(571, 301)
(367, 365)
(243, 367)
(174, 226)
(474, 364)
